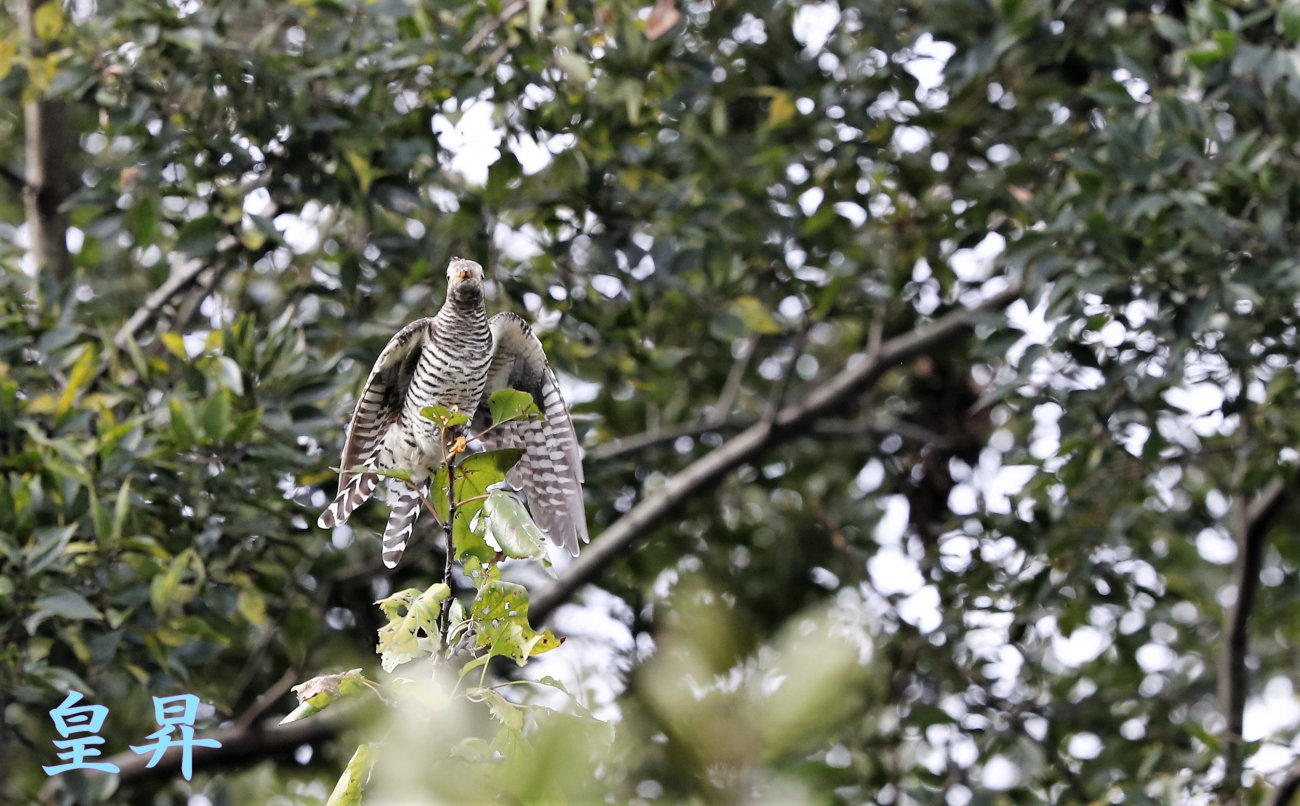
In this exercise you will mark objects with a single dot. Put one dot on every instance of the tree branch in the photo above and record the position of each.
(180, 278)
(49, 148)
(860, 373)
(1234, 678)
(1287, 788)
(635, 443)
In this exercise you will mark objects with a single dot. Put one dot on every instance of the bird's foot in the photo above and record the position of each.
(457, 446)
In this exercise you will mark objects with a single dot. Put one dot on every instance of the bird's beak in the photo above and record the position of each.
(463, 275)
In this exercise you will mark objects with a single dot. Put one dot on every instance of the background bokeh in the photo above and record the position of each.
(1033, 261)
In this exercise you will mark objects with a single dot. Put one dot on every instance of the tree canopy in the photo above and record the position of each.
(935, 364)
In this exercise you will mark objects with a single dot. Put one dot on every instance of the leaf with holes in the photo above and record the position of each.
(500, 613)
(412, 624)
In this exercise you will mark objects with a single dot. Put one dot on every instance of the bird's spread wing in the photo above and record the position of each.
(377, 408)
(550, 472)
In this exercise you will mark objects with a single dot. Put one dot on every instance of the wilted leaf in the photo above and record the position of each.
(319, 693)
(412, 628)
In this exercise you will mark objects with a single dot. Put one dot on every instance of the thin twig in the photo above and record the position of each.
(826, 399)
(13, 177)
(491, 25)
(268, 698)
(731, 387)
(444, 616)
(776, 398)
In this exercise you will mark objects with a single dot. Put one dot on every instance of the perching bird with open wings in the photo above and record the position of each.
(458, 358)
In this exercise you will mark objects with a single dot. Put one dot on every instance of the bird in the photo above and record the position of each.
(457, 359)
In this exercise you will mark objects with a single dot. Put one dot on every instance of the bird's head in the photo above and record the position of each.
(464, 280)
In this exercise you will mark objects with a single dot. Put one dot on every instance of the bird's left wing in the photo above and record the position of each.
(550, 472)
(377, 408)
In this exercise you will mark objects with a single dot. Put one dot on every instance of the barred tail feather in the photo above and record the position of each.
(351, 495)
(405, 505)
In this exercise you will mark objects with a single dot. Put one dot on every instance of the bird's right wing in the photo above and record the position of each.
(379, 405)
(550, 472)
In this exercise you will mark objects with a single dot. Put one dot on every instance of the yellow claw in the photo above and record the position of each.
(458, 446)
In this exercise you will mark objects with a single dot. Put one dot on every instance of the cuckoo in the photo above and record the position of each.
(457, 359)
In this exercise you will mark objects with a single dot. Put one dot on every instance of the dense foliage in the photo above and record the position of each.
(1040, 552)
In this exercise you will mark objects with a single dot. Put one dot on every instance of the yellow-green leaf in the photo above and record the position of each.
(360, 167)
(82, 371)
(500, 613)
(175, 345)
(351, 786)
(48, 19)
(755, 315)
(251, 604)
(781, 110)
(8, 51)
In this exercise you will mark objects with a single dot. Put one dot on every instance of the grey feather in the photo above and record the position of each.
(550, 473)
(458, 358)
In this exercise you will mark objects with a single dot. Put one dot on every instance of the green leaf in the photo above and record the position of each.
(168, 591)
(513, 529)
(199, 236)
(216, 415)
(46, 545)
(1288, 20)
(574, 66)
(505, 712)
(66, 603)
(474, 475)
(412, 628)
(512, 404)
(182, 422)
(121, 508)
(244, 425)
(351, 785)
(444, 416)
(500, 613)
